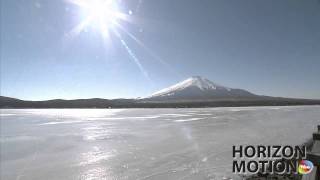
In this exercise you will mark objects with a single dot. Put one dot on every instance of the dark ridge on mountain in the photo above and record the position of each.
(192, 92)
(6, 102)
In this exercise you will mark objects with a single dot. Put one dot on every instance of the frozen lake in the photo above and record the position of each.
(87, 144)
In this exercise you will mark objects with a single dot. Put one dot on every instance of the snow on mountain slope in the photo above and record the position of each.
(196, 81)
(197, 87)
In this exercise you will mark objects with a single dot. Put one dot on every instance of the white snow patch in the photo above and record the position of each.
(186, 120)
(195, 81)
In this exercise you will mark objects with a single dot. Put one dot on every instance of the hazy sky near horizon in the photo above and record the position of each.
(269, 47)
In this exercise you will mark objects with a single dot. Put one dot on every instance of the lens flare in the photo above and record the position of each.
(104, 16)
(148, 50)
(99, 14)
(132, 55)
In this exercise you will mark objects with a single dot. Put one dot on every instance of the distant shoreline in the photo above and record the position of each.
(12, 103)
(4, 108)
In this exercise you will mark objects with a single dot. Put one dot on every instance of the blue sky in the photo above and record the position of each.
(268, 47)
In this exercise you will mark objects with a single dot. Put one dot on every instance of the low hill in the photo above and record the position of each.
(192, 92)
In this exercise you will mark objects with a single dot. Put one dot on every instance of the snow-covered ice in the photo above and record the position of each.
(55, 144)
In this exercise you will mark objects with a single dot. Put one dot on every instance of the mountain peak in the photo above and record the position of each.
(202, 83)
(194, 82)
(196, 77)
(197, 87)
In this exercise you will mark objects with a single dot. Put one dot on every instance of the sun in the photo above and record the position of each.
(108, 18)
(102, 15)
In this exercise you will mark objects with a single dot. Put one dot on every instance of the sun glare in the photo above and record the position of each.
(104, 16)
(99, 14)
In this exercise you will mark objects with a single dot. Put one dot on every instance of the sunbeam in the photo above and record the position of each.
(153, 54)
(132, 55)
(103, 16)
(99, 14)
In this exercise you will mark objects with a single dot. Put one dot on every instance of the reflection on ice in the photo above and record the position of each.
(3, 114)
(96, 131)
(190, 119)
(98, 173)
(59, 122)
(158, 144)
(96, 155)
(77, 113)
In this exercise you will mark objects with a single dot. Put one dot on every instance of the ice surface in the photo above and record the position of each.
(55, 144)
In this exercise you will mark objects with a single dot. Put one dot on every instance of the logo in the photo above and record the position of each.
(273, 159)
(305, 167)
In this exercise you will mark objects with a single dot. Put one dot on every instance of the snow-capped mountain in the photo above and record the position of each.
(199, 88)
